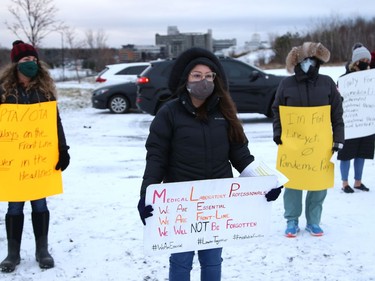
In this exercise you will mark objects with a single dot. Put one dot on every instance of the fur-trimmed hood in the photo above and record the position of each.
(306, 50)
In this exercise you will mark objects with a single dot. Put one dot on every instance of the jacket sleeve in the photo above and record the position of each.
(240, 156)
(276, 111)
(338, 127)
(61, 134)
(157, 146)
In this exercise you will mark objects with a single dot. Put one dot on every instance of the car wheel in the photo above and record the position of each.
(119, 104)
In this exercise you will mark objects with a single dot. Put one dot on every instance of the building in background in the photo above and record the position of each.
(173, 44)
(176, 42)
(221, 44)
(136, 53)
(256, 43)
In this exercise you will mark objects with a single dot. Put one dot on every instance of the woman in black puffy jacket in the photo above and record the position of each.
(196, 136)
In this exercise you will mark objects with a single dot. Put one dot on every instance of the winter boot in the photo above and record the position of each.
(40, 226)
(14, 227)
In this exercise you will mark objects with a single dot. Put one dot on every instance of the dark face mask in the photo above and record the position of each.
(200, 89)
(28, 68)
(363, 65)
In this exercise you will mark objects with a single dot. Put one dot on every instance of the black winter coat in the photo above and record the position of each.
(31, 97)
(181, 147)
(319, 91)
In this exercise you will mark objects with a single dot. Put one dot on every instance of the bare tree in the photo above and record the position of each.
(99, 53)
(283, 44)
(75, 47)
(33, 18)
(96, 40)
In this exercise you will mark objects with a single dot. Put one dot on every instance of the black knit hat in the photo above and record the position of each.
(186, 62)
(21, 50)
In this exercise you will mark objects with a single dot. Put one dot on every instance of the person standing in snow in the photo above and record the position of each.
(196, 136)
(307, 88)
(26, 80)
(372, 63)
(360, 148)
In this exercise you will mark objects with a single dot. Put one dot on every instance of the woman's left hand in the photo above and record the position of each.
(273, 194)
(64, 160)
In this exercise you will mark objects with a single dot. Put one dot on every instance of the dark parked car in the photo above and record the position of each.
(252, 89)
(118, 98)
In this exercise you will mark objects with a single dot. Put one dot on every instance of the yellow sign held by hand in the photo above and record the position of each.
(29, 152)
(306, 150)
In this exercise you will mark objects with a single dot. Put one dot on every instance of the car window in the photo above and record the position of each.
(132, 70)
(104, 70)
(236, 70)
(167, 70)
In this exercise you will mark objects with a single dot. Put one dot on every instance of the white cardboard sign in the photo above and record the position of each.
(207, 214)
(358, 91)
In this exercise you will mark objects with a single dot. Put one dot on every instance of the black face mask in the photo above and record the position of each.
(363, 65)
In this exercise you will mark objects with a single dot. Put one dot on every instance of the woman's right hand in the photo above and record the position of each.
(144, 211)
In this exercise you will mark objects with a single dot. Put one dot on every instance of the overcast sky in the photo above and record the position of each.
(137, 22)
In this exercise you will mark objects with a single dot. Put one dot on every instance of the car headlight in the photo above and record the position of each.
(100, 92)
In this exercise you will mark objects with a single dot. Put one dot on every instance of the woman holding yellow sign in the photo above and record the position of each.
(307, 88)
(27, 81)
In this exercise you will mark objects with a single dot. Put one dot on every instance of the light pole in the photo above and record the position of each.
(62, 55)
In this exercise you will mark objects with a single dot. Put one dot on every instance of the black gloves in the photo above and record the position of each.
(337, 146)
(273, 194)
(144, 211)
(277, 140)
(64, 159)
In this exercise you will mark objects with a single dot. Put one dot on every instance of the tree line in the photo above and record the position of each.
(338, 35)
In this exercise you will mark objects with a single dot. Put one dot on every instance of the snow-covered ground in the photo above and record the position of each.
(96, 234)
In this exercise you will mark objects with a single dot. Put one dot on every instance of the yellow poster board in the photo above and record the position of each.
(29, 152)
(306, 149)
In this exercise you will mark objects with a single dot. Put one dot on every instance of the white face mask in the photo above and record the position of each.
(306, 63)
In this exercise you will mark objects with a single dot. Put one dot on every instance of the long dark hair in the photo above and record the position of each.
(229, 110)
